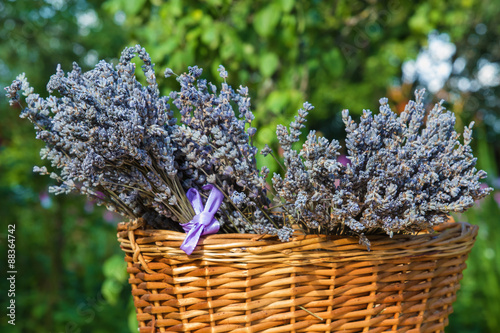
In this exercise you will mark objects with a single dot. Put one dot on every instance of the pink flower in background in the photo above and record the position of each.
(111, 217)
(45, 200)
(497, 197)
(478, 202)
(344, 160)
(483, 186)
(89, 206)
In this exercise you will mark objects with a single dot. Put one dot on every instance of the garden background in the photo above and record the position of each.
(334, 54)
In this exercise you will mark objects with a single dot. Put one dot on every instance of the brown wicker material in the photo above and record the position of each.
(249, 283)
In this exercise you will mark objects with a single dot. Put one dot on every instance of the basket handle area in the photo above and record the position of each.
(131, 227)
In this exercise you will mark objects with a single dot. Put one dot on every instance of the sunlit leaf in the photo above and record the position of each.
(111, 290)
(287, 5)
(268, 64)
(115, 268)
(266, 19)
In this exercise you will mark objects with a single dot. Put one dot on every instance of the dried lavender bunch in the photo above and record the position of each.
(215, 146)
(109, 137)
(406, 173)
(308, 184)
(404, 177)
(115, 140)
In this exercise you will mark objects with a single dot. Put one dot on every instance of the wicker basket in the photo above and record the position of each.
(249, 283)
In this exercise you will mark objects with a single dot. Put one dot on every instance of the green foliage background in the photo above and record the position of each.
(334, 54)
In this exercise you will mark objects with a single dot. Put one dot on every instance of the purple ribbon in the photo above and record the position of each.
(204, 222)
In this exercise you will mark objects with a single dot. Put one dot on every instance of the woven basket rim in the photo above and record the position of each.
(449, 239)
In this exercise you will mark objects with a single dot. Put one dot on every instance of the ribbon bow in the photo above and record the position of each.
(204, 222)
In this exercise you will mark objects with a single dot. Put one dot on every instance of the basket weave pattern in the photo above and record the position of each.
(249, 283)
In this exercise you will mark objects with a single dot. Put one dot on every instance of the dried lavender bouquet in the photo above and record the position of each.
(111, 138)
(406, 173)
(215, 146)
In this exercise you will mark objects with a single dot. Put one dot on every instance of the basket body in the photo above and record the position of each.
(250, 283)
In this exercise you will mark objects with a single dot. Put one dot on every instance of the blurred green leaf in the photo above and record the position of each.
(333, 62)
(420, 21)
(287, 5)
(276, 102)
(115, 268)
(175, 8)
(268, 64)
(111, 290)
(486, 151)
(210, 36)
(267, 19)
(130, 7)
